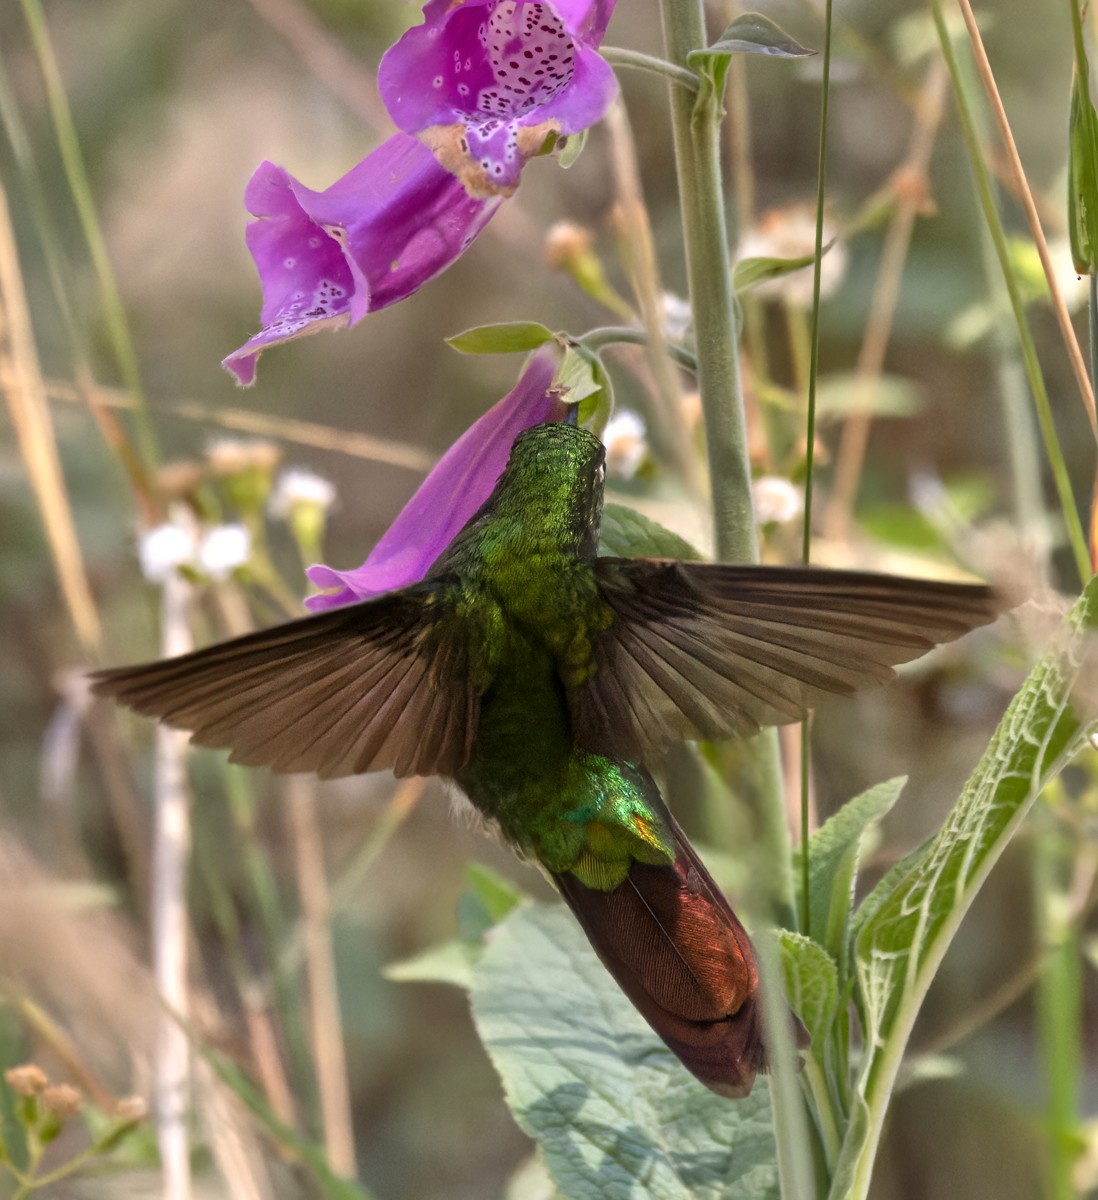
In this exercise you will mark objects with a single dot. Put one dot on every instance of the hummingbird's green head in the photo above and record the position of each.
(552, 486)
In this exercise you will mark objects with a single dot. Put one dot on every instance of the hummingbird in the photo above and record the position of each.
(543, 680)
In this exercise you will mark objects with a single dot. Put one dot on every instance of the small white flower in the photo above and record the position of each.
(164, 549)
(624, 439)
(777, 501)
(297, 486)
(222, 549)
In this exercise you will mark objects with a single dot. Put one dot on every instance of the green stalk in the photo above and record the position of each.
(810, 432)
(610, 335)
(1092, 314)
(696, 118)
(696, 122)
(1059, 1005)
(619, 56)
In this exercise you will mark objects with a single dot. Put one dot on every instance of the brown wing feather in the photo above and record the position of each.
(382, 684)
(706, 650)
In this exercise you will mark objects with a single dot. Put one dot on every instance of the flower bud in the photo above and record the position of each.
(245, 470)
(302, 499)
(26, 1080)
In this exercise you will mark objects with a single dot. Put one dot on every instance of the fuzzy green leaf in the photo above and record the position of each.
(752, 33)
(834, 852)
(509, 337)
(627, 533)
(811, 984)
(903, 929)
(614, 1113)
(749, 33)
(855, 1140)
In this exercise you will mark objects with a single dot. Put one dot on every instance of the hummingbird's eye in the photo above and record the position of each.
(600, 474)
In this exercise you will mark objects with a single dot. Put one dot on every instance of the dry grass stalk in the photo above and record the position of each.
(325, 1020)
(171, 855)
(26, 394)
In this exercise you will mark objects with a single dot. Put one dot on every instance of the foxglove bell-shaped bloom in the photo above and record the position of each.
(484, 82)
(449, 496)
(325, 259)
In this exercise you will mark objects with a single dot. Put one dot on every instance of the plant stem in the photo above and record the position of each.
(696, 121)
(618, 56)
(1059, 1004)
(1092, 319)
(608, 335)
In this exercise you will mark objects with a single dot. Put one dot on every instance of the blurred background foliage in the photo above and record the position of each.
(175, 104)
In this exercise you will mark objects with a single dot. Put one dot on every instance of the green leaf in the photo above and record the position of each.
(572, 149)
(901, 525)
(496, 894)
(752, 33)
(811, 984)
(449, 962)
(904, 928)
(750, 272)
(856, 1139)
(615, 1115)
(1082, 159)
(627, 533)
(749, 33)
(509, 337)
(834, 853)
(585, 381)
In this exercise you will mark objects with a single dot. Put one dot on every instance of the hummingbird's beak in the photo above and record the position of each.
(573, 415)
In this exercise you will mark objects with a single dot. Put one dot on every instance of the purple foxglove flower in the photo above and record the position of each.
(484, 82)
(325, 259)
(460, 483)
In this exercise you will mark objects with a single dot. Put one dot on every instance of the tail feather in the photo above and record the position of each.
(673, 944)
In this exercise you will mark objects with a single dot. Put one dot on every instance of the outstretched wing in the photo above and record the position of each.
(386, 683)
(707, 650)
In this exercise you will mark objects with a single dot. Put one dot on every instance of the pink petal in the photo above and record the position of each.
(375, 236)
(458, 485)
